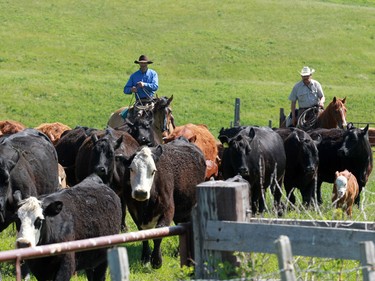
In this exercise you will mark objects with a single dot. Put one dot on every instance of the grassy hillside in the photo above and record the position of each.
(68, 61)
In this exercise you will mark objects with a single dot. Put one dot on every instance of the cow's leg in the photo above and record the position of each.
(156, 258)
(318, 192)
(124, 227)
(357, 200)
(97, 273)
(67, 267)
(146, 252)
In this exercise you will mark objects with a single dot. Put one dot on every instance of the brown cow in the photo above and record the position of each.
(201, 137)
(345, 190)
(53, 130)
(10, 127)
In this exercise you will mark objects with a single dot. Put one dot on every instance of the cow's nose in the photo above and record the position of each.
(101, 170)
(310, 170)
(243, 171)
(23, 244)
(140, 195)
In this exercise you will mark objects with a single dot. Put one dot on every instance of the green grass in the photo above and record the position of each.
(68, 61)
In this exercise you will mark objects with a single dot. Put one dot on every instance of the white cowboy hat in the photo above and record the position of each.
(307, 71)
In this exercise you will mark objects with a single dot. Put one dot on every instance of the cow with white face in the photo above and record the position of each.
(162, 188)
(142, 173)
(345, 191)
(86, 210)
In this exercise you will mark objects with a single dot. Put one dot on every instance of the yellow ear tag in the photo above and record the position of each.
(225, 145)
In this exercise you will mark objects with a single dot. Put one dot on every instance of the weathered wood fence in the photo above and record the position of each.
(221, 225)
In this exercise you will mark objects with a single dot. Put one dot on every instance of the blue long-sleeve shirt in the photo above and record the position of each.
(150, 80)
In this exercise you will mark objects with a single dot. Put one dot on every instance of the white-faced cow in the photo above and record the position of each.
(89, 209)
(28, 167)
(302, 161)
(258, 155)
(163, 182)
(343, 149)
(345, 190)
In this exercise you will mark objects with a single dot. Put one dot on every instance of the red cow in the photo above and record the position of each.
(53, 130)
(10, 127)
(201, 137)
(345, 190)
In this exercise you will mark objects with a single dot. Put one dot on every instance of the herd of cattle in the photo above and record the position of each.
(109, 173)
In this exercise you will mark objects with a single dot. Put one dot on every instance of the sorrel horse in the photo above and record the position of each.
(158, 114)
(332, 117)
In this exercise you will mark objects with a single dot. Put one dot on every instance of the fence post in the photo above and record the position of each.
(237, 112)
(285, 258)
(216, 200)
(118, 264)
(367, 253)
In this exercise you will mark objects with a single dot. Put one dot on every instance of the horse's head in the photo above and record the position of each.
(336, 113)
(163, 120)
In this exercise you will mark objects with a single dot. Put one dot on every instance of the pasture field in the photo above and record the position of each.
(67, 61)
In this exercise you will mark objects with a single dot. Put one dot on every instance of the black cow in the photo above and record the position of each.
(257, 154)
(67, 148)
(302, 162)
(28, 167)
(142, 130)
(163, 181)
(100, 154)
(343, 149)
(86, 210)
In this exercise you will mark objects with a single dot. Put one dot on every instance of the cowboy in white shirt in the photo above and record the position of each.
(308, 92)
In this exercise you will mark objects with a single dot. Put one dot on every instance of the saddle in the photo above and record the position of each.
(138, 109)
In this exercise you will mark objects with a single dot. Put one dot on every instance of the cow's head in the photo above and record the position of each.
(143, 131)
(355, 141)
(239, 147)
(305, 151)
(103, 156)
(341, 183)
(31, 219)
(142, 172)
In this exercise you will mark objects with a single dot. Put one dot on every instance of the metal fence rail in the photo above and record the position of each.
(90, 244)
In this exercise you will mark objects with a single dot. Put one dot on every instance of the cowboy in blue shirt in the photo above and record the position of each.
(144, 82)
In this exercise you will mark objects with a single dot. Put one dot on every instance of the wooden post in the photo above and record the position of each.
(186, 248)
(118, 264)
(285, 258)
(216, 200)
(237, 112)
(367, 253)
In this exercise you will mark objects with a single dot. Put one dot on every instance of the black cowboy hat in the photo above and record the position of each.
(143, 58)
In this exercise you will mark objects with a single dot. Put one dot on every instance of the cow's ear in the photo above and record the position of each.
(53, 209)
(365, 129)
(118, 142)
(252, 133)
(157, 153)
(193, 139)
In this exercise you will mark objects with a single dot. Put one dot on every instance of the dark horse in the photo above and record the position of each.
(332, 117)
(155, 117)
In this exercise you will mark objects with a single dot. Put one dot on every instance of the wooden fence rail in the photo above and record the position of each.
(221, 225)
